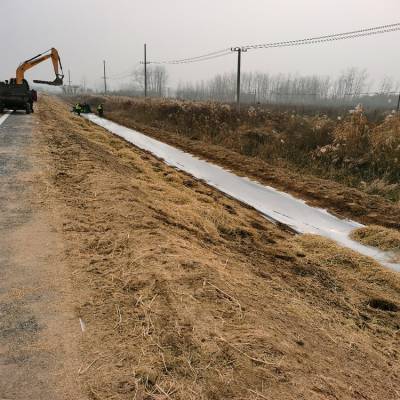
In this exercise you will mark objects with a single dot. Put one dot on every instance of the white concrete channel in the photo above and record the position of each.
(273, 204)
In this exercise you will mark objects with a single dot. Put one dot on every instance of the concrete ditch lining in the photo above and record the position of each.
(273, 204)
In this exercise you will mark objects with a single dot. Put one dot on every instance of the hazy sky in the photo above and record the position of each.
(87, 31)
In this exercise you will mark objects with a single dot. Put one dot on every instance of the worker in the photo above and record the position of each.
(86, 108)
(78, 109)
(100, 110)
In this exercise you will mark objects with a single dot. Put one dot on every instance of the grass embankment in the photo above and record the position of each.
(240, 150)
(187, 294)
(380, 237)
(353, 151)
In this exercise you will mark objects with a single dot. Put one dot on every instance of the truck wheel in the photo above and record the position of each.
(1, 108)
(28, 108)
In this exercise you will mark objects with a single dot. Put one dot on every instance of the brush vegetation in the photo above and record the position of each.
(378, 236)
(350, 149)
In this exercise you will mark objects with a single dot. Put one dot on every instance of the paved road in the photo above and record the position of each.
(36, 323)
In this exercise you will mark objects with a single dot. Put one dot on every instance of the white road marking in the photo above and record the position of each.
(4, 117)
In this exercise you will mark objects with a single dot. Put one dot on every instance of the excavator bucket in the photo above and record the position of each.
(57, 82)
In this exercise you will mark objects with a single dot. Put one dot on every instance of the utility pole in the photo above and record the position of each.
(105, 77)
(398, 104)
(69, 82)
(239, 50)
(145, 70)
(145, 62)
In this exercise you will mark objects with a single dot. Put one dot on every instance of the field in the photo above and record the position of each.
(187, 294)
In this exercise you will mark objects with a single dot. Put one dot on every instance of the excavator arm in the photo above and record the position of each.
(28, 64)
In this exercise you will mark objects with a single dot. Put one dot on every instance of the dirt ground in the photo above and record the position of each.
(186, 294)
(335, 197)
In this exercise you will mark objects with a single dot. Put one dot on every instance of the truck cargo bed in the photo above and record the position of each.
(15, 97)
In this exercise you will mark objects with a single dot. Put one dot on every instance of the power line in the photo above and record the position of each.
(184, 60)
(205, 57)
(122, 77)
(105, 77)
(312, 40)
(145, 63)
(214, 53)
(328, 38)
(118, 75)
(127, 73)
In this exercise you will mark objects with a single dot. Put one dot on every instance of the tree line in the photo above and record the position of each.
(259, 87)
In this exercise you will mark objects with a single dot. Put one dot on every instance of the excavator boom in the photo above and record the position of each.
(28, 64)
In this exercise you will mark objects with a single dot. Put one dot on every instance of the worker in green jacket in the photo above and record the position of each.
(100, 110)
(78, 108)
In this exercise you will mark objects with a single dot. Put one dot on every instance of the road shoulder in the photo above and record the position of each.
(39, 332)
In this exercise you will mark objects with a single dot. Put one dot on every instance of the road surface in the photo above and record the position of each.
(37, 335)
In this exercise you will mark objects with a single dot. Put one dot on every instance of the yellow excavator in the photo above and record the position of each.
(16, 94)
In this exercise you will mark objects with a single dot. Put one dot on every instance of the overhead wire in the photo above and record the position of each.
(123, 74)
(121, 77)
(327, 38)
(204, 57)
(312, 40)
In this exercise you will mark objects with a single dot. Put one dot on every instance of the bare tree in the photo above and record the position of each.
(347, 89)
(386, 85)
(157, 78)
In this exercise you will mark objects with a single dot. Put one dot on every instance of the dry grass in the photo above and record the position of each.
(382, 187)
(378, 236)
(360, 151)
(187, 294)
(363, 206)
(385, 147)
(256, 131)
(371, 152)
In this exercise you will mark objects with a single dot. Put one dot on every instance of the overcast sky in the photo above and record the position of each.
(87, 31)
